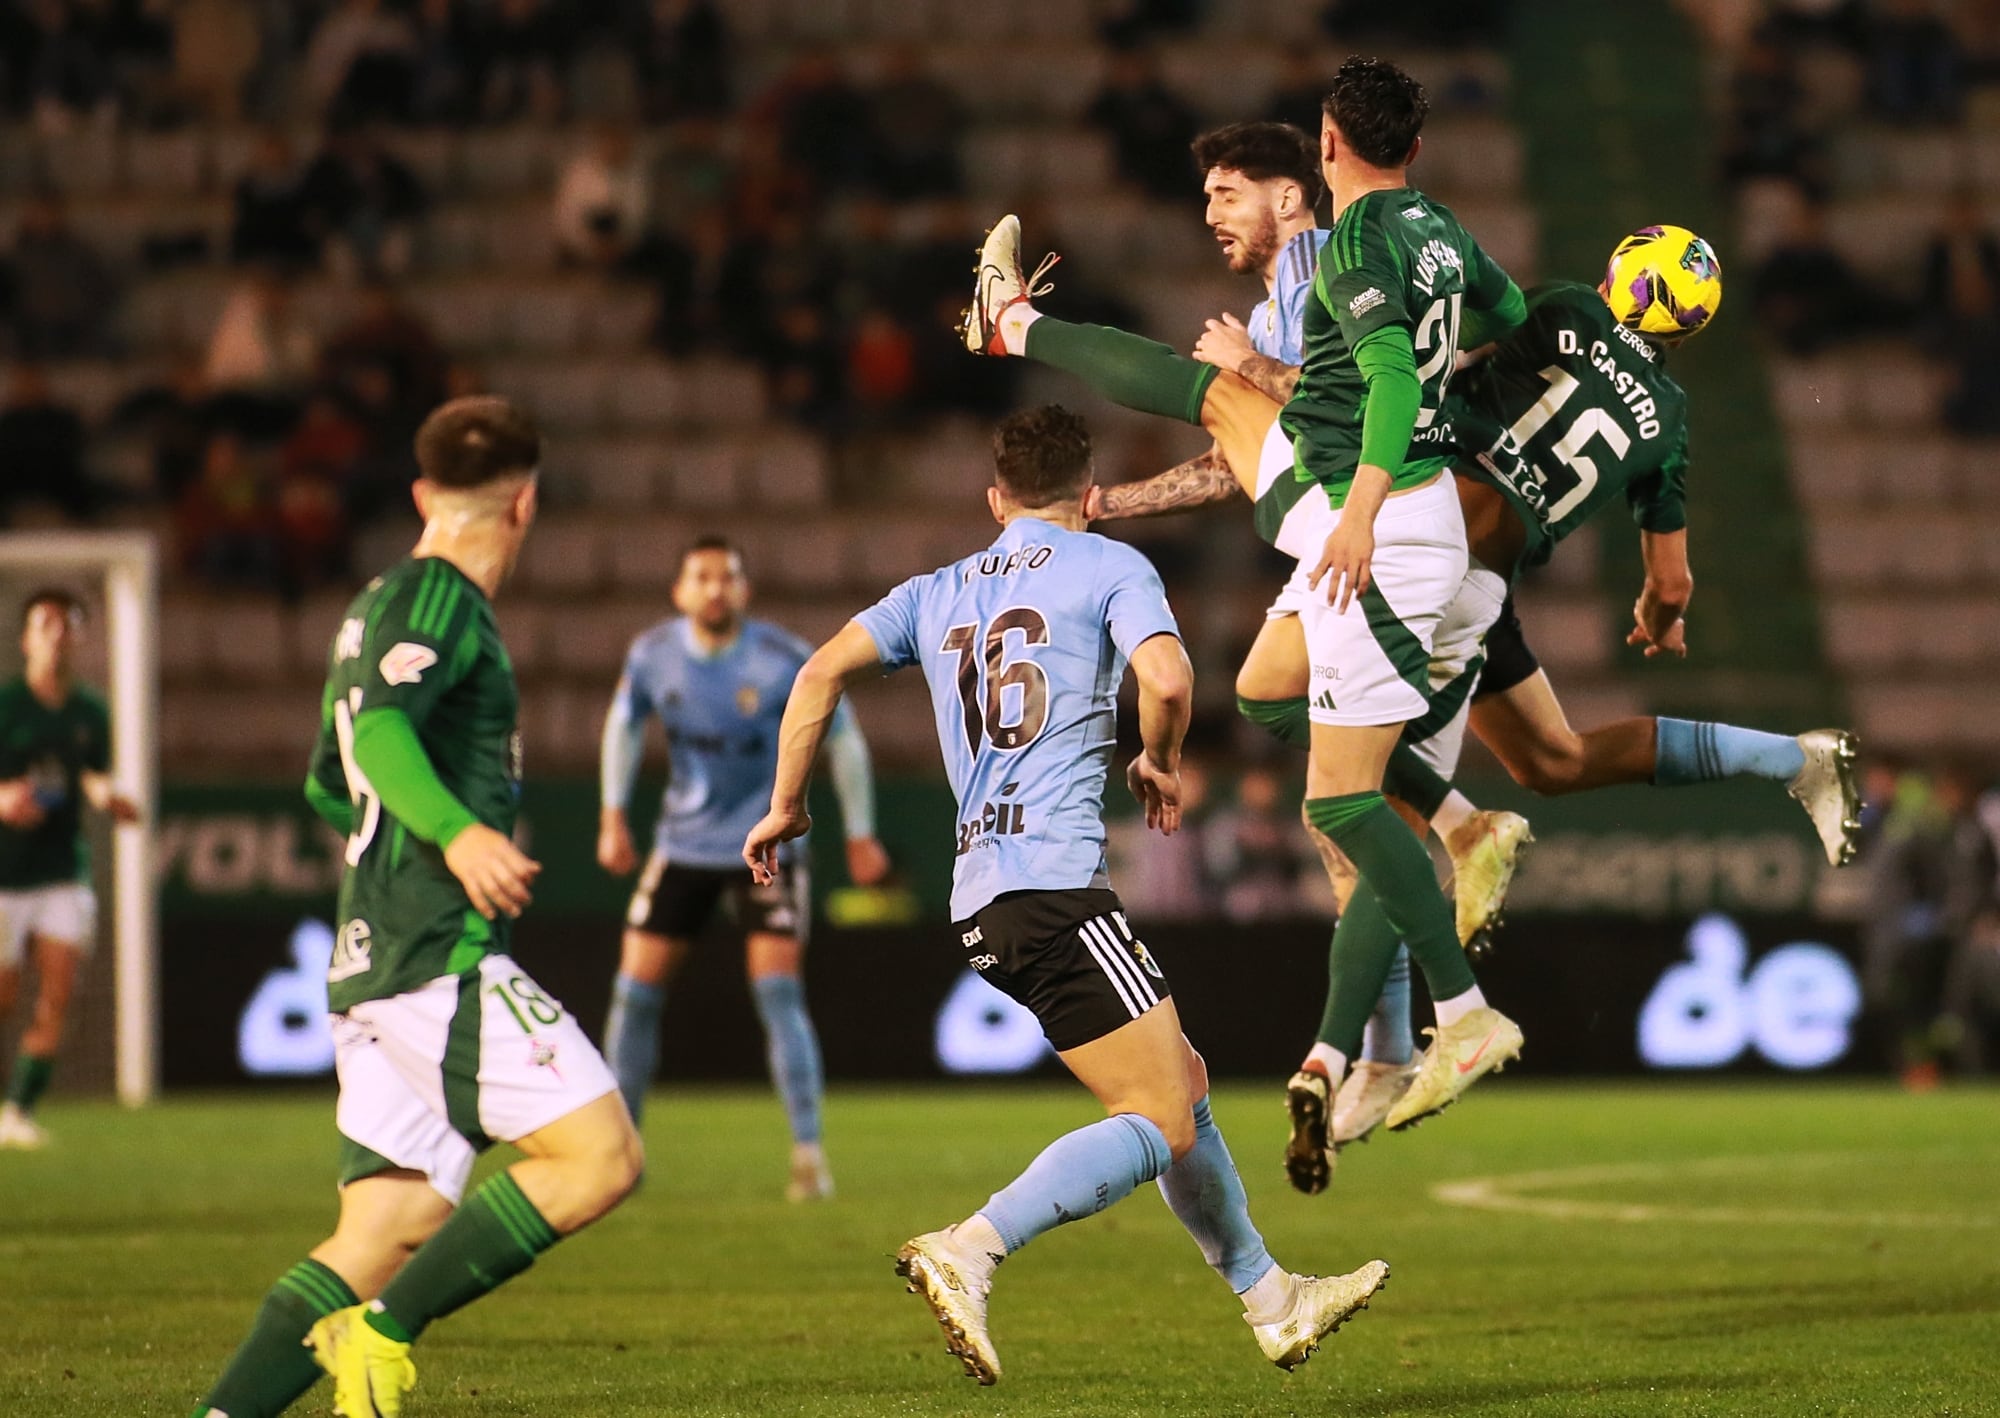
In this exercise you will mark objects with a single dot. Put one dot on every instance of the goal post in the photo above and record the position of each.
(126, 565)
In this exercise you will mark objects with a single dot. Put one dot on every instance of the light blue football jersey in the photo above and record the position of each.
(1024, 646)
(721, 714)
(1278, 326)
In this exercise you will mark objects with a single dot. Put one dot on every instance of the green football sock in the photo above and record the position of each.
(30, 1081)
(1415, 781)
(1286, 720)
(1395, 865)
(1125, 368)
(1357, 964)
(488, 1241)
(273, 1366)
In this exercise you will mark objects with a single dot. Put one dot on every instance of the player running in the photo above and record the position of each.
(1024, 646)
(442, 1043)
(55, 758)
(1351, 478)
(717, 683)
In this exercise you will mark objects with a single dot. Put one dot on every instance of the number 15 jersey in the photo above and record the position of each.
(1024, 646)
(420, 638)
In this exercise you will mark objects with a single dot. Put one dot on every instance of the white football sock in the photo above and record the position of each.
(1330, 1059)
(1271, 1298)
(1450, 1011)
(977, 1234)
(1453, 813)
(1014, 323)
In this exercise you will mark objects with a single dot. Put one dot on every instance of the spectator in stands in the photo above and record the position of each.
(681, 56)
(227, 521)
(1301, 89)
(362, 203)
(1439, 23)
(1767, 136)
(388, 371)
(1915, 67)
(272, 223)
(56, 293)
(1256, 851)
(1149, 125)
(917, 125)
(1961, 299)
(711, 297)
(65, 77)
(802, 365)
(822, 124)
(176, 421)
(524, 51)
(316, 468)
(41, 449)
(442, 81)
(262, 356)
(881, 369)
(1127, 24)
(215, 49)
(1970, 914)
(604, 199)
(1806, 294)
(359, 61)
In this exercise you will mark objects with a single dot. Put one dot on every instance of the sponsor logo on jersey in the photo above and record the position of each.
(406, 662)
(1325, 701)
(1365, 302)
(983, 962)
(351, 952)
(973, 937)
(1413, 214)
(747, 700)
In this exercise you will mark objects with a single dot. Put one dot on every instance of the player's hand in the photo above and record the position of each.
(615, 852)
(760, 848)
(1224, 344)
(18, 808)
(1673, 642)
(1158, 791)
(121, 809)
(1350, 549)
(867, 861)
(494, 872)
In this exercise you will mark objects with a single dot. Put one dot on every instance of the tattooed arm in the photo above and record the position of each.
(1274, 377)
(1199, 482)
(1226, 345)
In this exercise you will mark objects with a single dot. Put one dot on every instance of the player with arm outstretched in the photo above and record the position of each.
(717, 682)
(1024, 646)
(442, 1043)
(55, 759)
(1357, 456)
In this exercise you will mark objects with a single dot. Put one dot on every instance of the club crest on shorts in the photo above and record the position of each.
(1145, 958)
(747, 700)
(541, 1054)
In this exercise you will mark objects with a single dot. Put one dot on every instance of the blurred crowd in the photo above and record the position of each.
(1930, 858)
(1920, 62)
(813, 224)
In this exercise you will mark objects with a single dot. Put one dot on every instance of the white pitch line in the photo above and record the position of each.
(1503, 1193)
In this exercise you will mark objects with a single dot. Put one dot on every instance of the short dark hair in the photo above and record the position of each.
(1378, 109)
(473, 441)
(1261, 152)
(707, 541)
(1041, 456)
(68, 602)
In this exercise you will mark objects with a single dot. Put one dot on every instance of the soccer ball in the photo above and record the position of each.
(1663, 282)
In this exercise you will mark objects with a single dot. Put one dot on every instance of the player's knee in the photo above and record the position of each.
(1550, 768)
(615, 1165)
(1178, 1129)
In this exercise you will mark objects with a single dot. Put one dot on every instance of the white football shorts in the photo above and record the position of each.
(65, 911)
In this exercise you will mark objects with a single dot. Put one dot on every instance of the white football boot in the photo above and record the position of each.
(1367, 1094)
(1461, 1053)
(998, 285)
(954, 1280)
(1827, 790)
(1322, 1305)
(1485, 852)
(1309, 1151)
(19, 1132)
(810, 1179)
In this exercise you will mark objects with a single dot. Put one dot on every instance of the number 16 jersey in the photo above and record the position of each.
(1024, 646)
(420, 638)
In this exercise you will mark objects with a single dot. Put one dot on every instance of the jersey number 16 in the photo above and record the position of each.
(987, 714)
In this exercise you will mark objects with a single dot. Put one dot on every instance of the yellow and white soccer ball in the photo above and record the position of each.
(1663, 282)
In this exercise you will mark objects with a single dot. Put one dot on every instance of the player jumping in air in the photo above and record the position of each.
(1023, 646)
(1352, 480)
(717, 682)
(55, 757)
(442, 1043)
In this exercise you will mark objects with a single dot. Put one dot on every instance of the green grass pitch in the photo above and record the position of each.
(1699, 1250)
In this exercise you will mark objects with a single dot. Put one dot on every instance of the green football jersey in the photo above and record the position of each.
(1570, 411)
(1396, 258)
(420, 638)
(52, 749)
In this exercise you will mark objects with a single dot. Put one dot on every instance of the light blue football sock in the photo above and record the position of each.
(632, 1038)
(1688, 752)
(1207, 1195)
(793, 1049)
(1387, 1038)
(1078, 1175)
